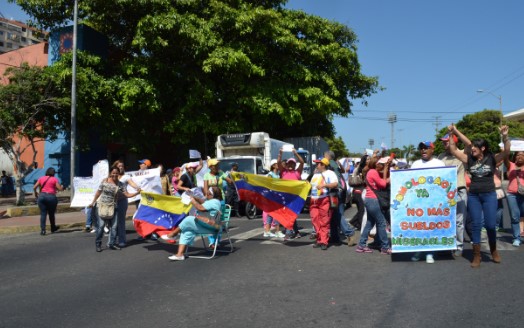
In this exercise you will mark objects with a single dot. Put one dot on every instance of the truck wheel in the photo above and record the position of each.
(251, 211)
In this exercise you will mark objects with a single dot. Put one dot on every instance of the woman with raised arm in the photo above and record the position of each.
(482, 198)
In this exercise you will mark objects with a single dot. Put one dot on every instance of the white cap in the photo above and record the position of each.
(273, 161)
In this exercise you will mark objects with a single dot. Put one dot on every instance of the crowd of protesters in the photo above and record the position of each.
(479, 193)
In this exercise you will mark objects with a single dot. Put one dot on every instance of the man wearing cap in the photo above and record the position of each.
(319, 208)
(426, 149)
(144, 164)
(462, 193)
(290, 171)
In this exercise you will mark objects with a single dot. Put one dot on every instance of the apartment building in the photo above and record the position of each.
(15, 35)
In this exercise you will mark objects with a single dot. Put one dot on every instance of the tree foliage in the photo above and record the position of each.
(483, 125)
(184, 69)
(338, 146)
(32, 108)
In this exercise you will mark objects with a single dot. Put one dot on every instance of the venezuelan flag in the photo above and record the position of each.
(159, 213)
(282, 199)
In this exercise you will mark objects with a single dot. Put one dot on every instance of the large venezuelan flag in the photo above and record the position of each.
(159, 213)
(282, 199)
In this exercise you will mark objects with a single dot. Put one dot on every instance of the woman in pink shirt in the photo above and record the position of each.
(46, 199)
(375, 215)
(515, 200)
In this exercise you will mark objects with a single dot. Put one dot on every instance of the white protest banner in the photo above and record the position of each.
(85, 187)
(423, 209)
(147, 180)
(194, 154)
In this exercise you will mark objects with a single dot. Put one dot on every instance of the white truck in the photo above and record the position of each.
(252, 151)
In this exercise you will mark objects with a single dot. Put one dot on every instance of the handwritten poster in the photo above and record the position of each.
(423, 209)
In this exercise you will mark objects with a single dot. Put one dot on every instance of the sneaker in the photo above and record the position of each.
(279, 234)
(114, 247)
(106, 229)
(430, 259)
(269, 234)
(351, 241)
(154, 236)
(167, 238)
(364, 249)
(385, 251)
(316, 245)
(92, 230)
(121, 245)
(416, 257)
(457, 253)
(176, 258)
(98, 249)
(323, 247)
(87, 229)
(516, 243)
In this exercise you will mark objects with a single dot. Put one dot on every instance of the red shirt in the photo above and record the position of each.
(48, 184)
(374, 179)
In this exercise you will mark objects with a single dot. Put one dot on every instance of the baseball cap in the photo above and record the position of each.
(426, 144)
(446, 138)
(176, 169)
(212, 161)
(273, 162)
(291, 159)
(146, 162)
(192, 164)
(322, 160)
(383, 160)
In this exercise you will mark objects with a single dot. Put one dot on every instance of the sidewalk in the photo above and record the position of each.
(74, 220)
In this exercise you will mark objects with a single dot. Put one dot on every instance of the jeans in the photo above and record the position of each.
(375, 216)
(100, 229)
(516, 207)
(344, 225)
(91, 220)
(483, 205)
(121, 211)
(47, 204)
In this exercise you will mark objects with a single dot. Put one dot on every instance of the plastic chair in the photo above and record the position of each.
(225, 216)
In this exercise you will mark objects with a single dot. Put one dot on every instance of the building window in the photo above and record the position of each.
(9, 45)
(1, 44)
(24, 29)
(24, 39)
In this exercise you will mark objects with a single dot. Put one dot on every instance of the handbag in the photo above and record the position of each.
(355, 180)
(106, 210)
(333, 199)
(520, 188)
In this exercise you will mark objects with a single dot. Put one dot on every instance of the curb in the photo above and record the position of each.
(77, 226)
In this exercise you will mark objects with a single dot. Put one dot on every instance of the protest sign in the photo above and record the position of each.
(86, 187)
(147, 180)
(194, 154)
(423, 209)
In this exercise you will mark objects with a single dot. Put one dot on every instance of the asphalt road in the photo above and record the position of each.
(60, 281)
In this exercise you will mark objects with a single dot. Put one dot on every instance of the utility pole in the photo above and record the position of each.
(392, 119)
(437, 124)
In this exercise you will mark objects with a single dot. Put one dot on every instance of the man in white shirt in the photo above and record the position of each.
(426, 149)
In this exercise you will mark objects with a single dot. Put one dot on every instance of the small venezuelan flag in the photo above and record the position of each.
(159, 213)
(280, 198)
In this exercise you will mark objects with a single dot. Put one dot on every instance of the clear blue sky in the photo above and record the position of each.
(431, 56)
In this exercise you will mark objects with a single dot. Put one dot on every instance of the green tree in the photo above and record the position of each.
(338, 146)
(218, 66)
(483, 125)
(32, 108)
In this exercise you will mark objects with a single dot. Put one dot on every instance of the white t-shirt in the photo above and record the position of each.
(326, 177)
(422, 164)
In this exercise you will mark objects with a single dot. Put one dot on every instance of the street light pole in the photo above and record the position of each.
(499, 97)
(73, 101)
